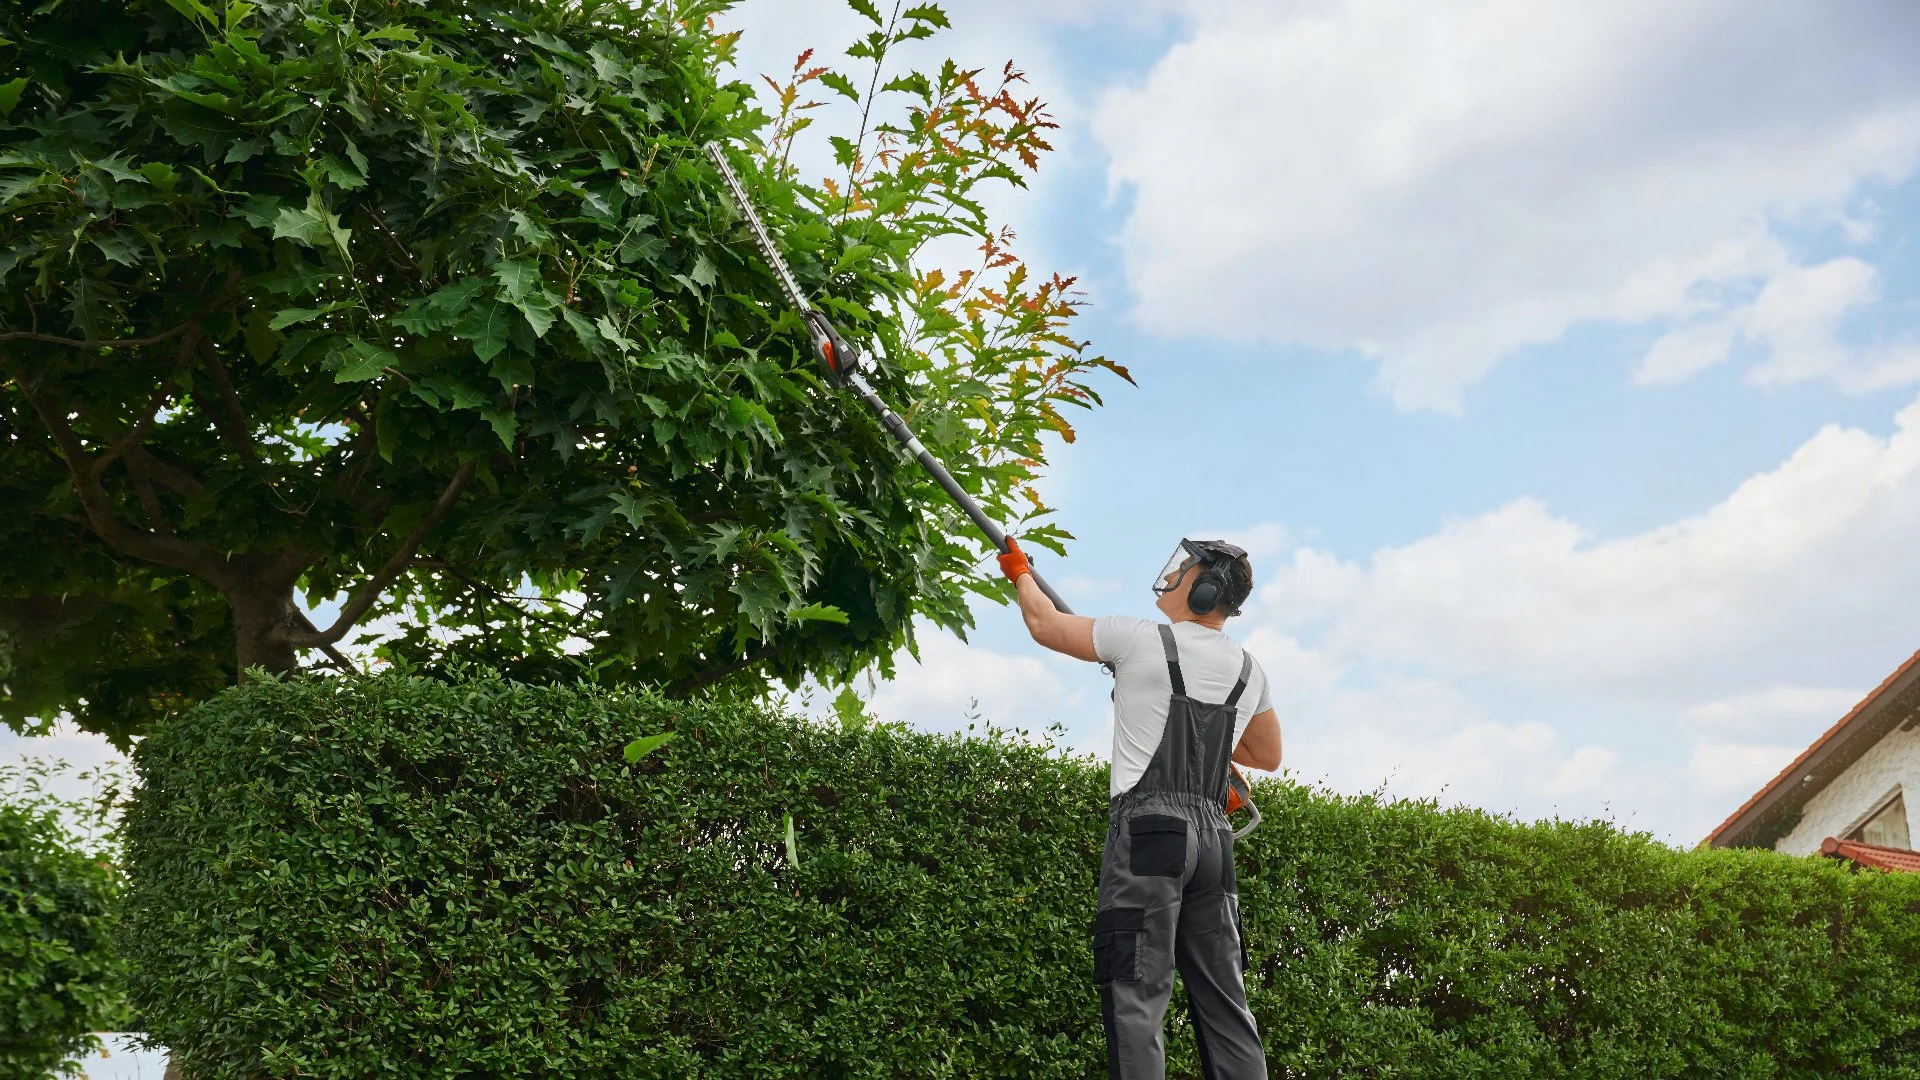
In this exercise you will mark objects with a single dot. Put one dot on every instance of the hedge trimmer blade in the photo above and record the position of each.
(839, 361)
(760, 235)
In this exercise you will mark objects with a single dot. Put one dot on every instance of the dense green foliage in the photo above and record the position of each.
(59, 974)
(334, 877)
(1394, 940)
(344, 877)
(435, 307)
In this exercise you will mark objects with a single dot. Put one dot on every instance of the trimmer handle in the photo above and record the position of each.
(1240, 796)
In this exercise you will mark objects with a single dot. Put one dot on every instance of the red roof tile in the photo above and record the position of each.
(1830, 734)
(1880, 858)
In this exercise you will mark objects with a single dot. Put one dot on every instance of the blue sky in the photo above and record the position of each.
(1551, 359)
(1550, 356)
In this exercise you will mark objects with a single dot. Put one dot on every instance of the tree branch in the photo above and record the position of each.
(165, 550)
(370, 590)
(226, 293)
(511, 601)
(694, 682)
(82, 343)
(359, 457)
(333, 654)
(166, 474)
(136, 433)
(150, 502)
(235, 429)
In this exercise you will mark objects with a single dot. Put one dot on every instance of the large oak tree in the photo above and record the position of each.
(433, 309)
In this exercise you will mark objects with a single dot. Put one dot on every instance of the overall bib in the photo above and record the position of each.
(1167, 899)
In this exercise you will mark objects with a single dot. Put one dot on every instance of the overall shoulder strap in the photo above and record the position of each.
(1246, 669)
(1173, 660)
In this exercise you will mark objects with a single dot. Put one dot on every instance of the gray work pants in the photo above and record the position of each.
(1167, 900)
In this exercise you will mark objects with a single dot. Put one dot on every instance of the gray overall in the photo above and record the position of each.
(1167, 898)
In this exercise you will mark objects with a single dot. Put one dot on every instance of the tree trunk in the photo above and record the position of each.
(261, 619)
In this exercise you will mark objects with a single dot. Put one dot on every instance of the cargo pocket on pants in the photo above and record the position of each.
(1159, 846)
(1116, 944)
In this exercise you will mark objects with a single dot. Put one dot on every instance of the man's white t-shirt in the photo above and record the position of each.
(1209, 662)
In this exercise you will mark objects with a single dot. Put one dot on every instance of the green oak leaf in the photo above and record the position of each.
(360, 360)
(10, 92)
(851, 710)
(641, 747)
(818, 613)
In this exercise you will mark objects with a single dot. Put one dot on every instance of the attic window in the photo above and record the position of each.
(1887, 827)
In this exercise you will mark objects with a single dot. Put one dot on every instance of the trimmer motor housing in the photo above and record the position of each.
(838, 360)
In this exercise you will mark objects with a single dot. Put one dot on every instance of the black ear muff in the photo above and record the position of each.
(1206, 591)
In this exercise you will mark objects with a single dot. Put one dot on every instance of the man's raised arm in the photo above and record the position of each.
(1069, 634)
(1260, 744)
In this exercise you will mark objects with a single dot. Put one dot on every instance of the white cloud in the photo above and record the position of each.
(1523, 664)
(1799, 313)
(1300, 675)
(1524, 594)
(1797, 319)
(1425, 738)
(1742, 741)
(80, 749)
(1686, 351)
(1796, 713)
(1261, 541)
(955, 684)
(1437, 185)
(1418, 736)
(1730, 771)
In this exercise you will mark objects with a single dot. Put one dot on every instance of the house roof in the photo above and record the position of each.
(1880, 858)
(1895, 702)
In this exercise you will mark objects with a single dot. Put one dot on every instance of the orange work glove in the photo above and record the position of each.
(1014, 562)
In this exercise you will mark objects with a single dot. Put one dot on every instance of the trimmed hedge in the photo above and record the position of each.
(1392, 939)
(397, 876)
(59, 976)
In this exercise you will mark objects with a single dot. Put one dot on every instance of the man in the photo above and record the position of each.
(1184, 695)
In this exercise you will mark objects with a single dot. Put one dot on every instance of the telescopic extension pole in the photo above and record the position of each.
(841, 364)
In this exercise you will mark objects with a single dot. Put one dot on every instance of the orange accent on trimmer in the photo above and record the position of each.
(1234, 801)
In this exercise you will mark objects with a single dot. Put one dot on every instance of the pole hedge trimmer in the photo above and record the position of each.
(840, 363)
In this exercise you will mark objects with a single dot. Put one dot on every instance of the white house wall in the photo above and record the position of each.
(1894, 760)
